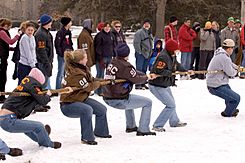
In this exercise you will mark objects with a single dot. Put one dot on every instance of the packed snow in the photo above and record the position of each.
(208, 137)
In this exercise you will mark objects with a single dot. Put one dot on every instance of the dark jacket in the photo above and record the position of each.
(63, 41)
(217, 38)
(164, 66)
(4, 46)
(16, 54)
(22, 106)
(119, 37)
(78, 76)
(121, 69)
(45, 53)
(104, 44)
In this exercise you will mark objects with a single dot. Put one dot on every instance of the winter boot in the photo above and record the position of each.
(2, 156)
(48, 129)
(134, 129)
(15, 152)
(145, 133)
(89, 142)
(57, 145)
(234, 114)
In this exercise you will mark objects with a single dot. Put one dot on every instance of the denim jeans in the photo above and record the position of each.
(3, 147)
(141, 62)
(186, 60)
(33, 129)
(61, 71)
(84, 111)
(243, 62)
(101, 70)
(47, 83)
(133, 102)
(232, 99)
(169, 112)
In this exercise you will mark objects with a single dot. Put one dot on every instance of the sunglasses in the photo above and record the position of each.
(117, 26)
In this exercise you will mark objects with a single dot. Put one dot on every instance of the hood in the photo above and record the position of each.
(155, 43)
(219, 51)
(87, 23)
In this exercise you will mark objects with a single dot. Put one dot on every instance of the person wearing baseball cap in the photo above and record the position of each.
(217, 83)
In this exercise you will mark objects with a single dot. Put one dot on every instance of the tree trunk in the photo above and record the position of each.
(160, 16)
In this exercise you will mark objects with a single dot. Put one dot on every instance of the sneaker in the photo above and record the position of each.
(106, 136)
(48, 129)
(57, 145)
(89, 142)
(180, 124)
(134, 129)
(145, 133)
(158, 129)
(2, 156)
(15, 152)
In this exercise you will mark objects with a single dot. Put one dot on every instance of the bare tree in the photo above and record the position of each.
(160, 17)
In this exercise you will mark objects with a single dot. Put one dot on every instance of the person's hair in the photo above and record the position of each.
(217, 24)
(5, 21)
(114, 22)
(106, 23)
(23, 25)
(72, 57)
(226, 47)
(186, 19)
(29, 24)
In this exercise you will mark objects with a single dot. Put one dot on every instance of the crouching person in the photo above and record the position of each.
(164, 66)
(77, 104)
(15, 108)
(4, 149)
(119, 97)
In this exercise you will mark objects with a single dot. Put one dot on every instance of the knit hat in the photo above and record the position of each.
(37, 74)
(65, 20)
(172, 19)
(45, 19)
(231, 19)
(100, 26)
(122, 50)
(147, 21)
(228, 43)
(171, 45)
(208, 25)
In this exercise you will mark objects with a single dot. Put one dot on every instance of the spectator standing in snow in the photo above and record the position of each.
(216, 31)
(63, 42)
(77, 104)
(117, 32)
(217, 83)
(5, 41)
(170, 31)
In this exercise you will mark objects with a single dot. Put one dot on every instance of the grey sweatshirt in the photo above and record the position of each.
(28, 51)
(220, 61)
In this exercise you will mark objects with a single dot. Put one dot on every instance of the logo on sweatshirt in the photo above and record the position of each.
(83, 83)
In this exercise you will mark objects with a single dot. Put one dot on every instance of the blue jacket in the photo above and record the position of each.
(156, 51)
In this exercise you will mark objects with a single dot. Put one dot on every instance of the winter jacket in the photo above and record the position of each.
(167, 32)
(5, 41)
(155, 53)
(22, 106)
(119, 37)
(121, 69)
(186, 36)
(44, 50)
(207, 40)
(164, 66)
(16, 54)
(221, 62)
(196, 42)
(27, 48)
(233, 34)
(85, 41)
(104, 45)
(63, 41)
(143, 42)
(78, 76)
(217, 38)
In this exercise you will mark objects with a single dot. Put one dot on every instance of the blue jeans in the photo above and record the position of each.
(101, 70)
(47, 83)
(243, 62)
(133, 102)
(33, 129)
(169, 112)
(232, 99)
(61, 71)
(186, 60)
(141, 62)
(3, 147)
(84, 111)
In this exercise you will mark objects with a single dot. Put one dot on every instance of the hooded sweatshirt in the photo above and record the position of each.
(222, 62)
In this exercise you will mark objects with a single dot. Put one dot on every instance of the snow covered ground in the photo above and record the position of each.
(208, 137)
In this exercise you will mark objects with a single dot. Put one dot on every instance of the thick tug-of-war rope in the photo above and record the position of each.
(106, 82)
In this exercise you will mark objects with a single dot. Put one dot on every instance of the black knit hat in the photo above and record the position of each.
(172, 19)
(147, 21)
(122, 50)
(65, 20)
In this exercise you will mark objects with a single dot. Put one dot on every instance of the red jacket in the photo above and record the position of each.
(242, 36)
(186, 36)
(167, 32)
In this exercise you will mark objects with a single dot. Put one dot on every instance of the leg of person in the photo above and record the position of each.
(101, 125)
(60, 73)
(23, 71)
(3, 78)
(140, 59)
(242, 74)
(84, 112)
(4, 149)
(209, 58)
(33, 129)
(48, 86)
(100, 75)
(144, 71)
(165, 96)
(202, 63)
(232, 99)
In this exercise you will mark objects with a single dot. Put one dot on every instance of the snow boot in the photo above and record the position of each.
(134, 129)
(15, 152)
(57, 145)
